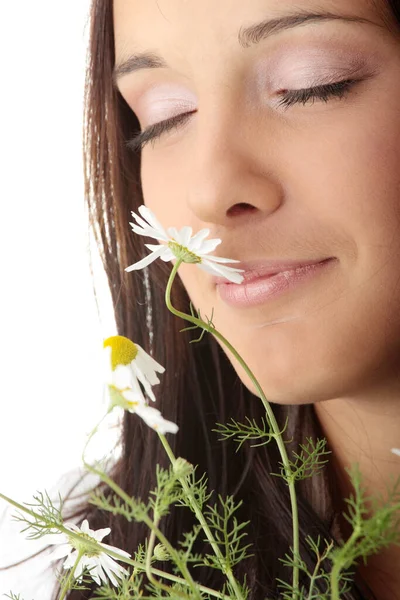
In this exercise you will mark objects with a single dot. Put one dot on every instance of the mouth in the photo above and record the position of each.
(264, 281)
(261, 268)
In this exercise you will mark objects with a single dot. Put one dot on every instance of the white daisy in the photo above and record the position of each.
(130, 364)
(181, 244)
(100, 565)
(396, 451)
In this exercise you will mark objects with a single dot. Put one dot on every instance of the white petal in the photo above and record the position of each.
(85, 526)
(219, 259)
(148, 413)
(135, 387)
(110, 566)
(146, 260)
(165, 426)
(169, 255)
(96, 572)
(230, 273)
(173, 232)
(396, 451)
(101, 533)
(70, 561)
(148, 232)
(79, 568)
(185, 234)
(122, 376)
(60, 552)
(106, 566)
(154, 231)
(151, 218)
(213, 270)
(143, 380)
(153, 247)
(115, 549)
(139, 220)
(208, 246)
(134, 398)
(198, 239)
(153, 418)
(166, 256)
(207, 267)
(145, 369)
(149, 361)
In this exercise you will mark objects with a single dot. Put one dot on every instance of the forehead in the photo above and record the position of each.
(173, 24)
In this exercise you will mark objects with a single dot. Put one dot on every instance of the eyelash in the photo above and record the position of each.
(289, 98)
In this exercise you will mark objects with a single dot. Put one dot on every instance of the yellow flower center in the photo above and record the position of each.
(123, 351)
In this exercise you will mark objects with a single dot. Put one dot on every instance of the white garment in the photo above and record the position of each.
(35, 579)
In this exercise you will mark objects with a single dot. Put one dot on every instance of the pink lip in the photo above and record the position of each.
(261, 287)
(263, 268)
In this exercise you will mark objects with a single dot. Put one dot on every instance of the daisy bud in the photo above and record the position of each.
(182, 468)
(161, 553)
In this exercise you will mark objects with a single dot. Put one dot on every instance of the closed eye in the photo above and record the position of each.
(290, 97)
(152, 133)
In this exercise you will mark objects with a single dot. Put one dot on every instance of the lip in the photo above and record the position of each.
(261, 284)
(263, 268)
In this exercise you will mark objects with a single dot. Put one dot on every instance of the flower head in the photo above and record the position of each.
(99, 564)
(130, 363)
(181, 244)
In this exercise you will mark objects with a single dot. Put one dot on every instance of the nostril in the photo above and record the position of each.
(239, 208)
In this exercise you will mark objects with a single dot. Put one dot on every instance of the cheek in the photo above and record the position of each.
(197, 289)
(165, 186)
(346, 175)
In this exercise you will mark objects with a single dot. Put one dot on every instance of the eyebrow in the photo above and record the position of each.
(247, 36)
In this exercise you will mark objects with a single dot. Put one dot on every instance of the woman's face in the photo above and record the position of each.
(276, 181)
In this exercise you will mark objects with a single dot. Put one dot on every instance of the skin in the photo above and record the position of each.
(307, 182)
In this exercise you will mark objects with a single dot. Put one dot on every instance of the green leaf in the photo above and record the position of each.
(242, 432)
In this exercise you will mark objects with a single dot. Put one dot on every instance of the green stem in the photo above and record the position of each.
(184, 570)
(314, 578)
(151, 578)
(335, 581)
(340, 562)
(202, 521)
(95, 546)
(270, 414)
(67, 585)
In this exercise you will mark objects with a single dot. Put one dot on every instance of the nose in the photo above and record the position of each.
(232, 175)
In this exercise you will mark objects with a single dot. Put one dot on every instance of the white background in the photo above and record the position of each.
(52, 391)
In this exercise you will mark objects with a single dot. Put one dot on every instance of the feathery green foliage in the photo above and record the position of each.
(228, 533)
(47, 517)
(308, 463)
(243, 432)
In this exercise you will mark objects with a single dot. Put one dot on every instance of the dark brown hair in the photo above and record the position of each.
(199, 386)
